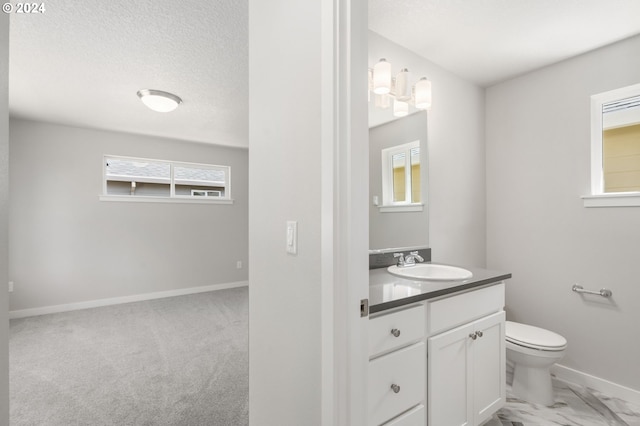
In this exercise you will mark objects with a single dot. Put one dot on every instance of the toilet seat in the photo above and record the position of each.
(532, 337)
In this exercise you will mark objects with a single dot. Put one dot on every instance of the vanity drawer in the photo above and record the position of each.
(450, 312)
(397, 382)
(396, 329)
(414, 417)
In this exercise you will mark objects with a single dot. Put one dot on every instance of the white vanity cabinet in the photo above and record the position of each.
(397, 367)
(440, 362)
(466, 357)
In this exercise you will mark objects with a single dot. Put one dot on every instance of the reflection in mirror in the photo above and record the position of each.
(401, 175)
(398, 213)
(415, 174)
(621, 145)
(398, 165)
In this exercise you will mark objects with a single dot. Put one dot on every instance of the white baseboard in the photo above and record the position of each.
(601, 385)
(22, 313)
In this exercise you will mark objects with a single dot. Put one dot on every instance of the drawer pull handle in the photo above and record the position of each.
(473, 336)
(479, 333)
(395, 332)
(395, 388)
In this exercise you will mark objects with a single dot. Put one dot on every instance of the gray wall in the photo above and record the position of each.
(308, 353)
(403, 229)
(285, 317)
(456, 156)
(538, 165)
(4, 218)
(66, 246)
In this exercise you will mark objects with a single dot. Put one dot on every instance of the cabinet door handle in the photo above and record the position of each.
(395, 388)
(473, 336)
(395, 332)
(479, 333)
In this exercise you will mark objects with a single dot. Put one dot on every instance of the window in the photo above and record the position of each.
(199, 193)
(401, 178)
(621, 145)
(615, 148)
(137, 179)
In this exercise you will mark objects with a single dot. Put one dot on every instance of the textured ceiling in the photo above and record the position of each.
(487, 41)
(82, 62)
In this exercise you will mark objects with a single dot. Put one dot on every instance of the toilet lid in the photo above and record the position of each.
(533, 337)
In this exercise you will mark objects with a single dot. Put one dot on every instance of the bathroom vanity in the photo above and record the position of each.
(436, 349)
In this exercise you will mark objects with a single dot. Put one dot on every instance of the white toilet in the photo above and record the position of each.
(533, 351)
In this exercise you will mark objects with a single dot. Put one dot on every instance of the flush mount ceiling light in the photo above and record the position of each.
(386, 87)
(158, 100)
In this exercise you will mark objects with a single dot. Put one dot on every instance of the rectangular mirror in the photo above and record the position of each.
(398, 182)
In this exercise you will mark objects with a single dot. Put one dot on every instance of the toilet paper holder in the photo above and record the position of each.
(604, 292)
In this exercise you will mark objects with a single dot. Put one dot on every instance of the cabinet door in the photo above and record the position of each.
(489, 376)
(466, 373)
(448, 378)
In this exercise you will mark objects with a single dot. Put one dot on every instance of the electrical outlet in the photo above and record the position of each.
(10, 286)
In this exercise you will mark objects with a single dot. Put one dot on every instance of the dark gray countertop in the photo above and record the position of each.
(387, 291)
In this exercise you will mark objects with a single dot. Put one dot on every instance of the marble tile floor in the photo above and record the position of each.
(575, 406)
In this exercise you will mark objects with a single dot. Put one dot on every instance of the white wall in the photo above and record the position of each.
(456, 156)
(284, 158)
(307, 357)
(404, 229)
(538, 164)
(4, 217)
(66, 246)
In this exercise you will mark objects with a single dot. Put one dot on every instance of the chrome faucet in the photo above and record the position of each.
(400, 257)
(412, 258)
(409, 260)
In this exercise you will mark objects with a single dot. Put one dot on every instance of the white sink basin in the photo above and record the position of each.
(431, 272)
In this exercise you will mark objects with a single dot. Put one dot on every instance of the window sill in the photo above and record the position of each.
(631, 199)
(183, 200)
(402, 208)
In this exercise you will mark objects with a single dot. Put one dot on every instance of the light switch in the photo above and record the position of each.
(292, 237)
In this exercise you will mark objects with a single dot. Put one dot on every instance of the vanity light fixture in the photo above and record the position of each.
(423, 94)
(158, 100)
(385, 87)
(382, 77)
(400, 108)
